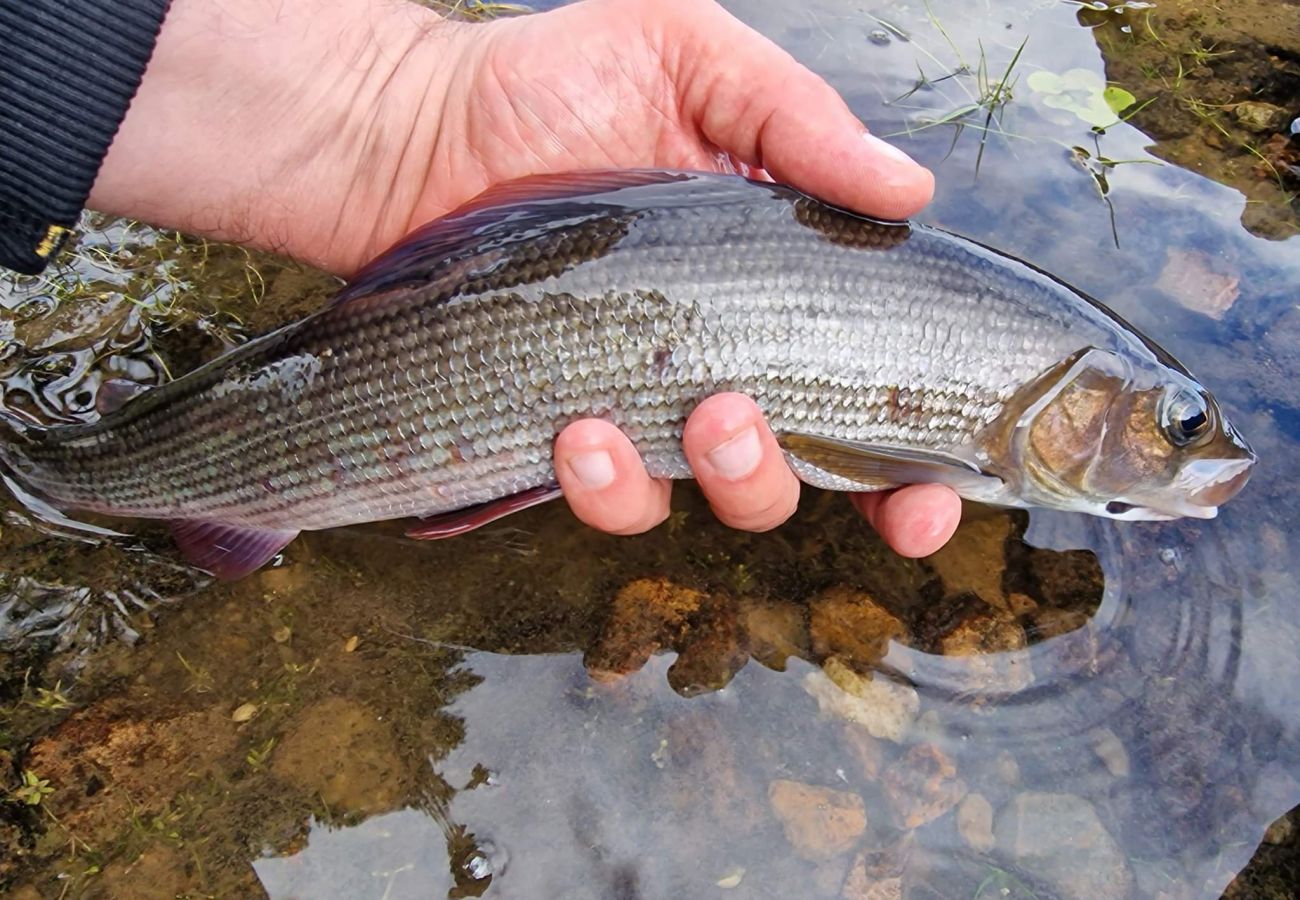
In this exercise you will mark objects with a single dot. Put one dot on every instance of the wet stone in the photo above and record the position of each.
(819, 822)
(995, 643)
(975, 559)
(714, 649)
(1260, 117)
(777, 631)
(975, 822)
(865, 749)
(877, 873)
(1060, 839)
(648, 615)
(849, 623)
(1110, 749)
(922, 785)
(339, 750)
(883, 707)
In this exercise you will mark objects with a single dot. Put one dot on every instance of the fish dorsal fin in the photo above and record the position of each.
(228, 551)
(115, 392)
(523, 205)
(880, 465)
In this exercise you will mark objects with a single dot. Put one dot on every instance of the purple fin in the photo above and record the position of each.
(464, 231)
(114, 392)
(228, 551)
(459, 521)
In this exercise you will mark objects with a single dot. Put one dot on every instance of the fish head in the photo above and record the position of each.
(1126, 438)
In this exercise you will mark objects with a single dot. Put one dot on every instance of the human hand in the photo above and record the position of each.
(353, 122)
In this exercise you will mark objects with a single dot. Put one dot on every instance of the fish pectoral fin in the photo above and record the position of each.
(114, 393)
(879, 466)
(228, 551)
(459, 521)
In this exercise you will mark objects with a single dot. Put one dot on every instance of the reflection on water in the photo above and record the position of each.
(1055, 706)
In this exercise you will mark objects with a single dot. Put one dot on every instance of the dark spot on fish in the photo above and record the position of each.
(663, 356)
(1116, 508)
(849, 230)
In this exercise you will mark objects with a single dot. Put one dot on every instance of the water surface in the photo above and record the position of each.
(1056, 706)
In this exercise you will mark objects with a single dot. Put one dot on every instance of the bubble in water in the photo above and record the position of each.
(879, 37)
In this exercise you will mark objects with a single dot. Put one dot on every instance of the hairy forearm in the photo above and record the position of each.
(302, 126)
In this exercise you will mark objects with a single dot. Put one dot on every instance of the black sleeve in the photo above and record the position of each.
(68, 71)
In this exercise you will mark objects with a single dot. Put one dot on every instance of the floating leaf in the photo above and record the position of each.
(1118, 99)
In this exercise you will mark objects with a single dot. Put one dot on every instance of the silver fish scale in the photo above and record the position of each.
(427, 399)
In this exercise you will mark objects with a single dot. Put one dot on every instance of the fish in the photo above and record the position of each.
(433, 385)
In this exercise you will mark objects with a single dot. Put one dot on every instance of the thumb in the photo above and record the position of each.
(752, 99)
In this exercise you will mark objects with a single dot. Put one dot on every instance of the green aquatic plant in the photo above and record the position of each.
(1084, 93)
(33, 790)
(989, 97)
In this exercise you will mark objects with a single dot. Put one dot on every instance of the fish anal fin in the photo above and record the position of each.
(460, 521)
(876, 466)
(228, 551)
(114, 392)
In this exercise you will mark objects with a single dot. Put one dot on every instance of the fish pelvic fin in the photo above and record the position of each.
(881, 466)
(460, 521)
(228, 551)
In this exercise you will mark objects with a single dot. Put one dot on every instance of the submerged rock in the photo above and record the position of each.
(648, 615)
(777, 631)
(819, 822)
(339, 750)
(975, 559)
(922, 785)
(877, 873)
(849, 623)
(995, 643)
(883, 707)
(975, 822)
(1060, 839)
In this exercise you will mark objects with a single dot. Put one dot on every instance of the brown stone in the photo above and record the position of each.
(819, 822)
(714, 648)
(105, 765)
(975, 822)
(876, 873)
(777, 631)
(922, 785)
(338, 749)
(995, 644)
(848, 623)
(648, 615)
(975, 559)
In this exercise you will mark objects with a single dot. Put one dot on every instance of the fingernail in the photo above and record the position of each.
(887, 150)
(595, 469)
(739, 456)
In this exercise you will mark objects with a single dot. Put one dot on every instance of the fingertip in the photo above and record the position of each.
(604, 481)
(916, 520)
(738, 463)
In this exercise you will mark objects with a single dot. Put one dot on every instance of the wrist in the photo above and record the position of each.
(302, 126)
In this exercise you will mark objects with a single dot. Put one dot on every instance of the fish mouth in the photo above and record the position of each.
(1202, 488)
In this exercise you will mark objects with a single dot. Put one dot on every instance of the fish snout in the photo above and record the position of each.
(1225, 484)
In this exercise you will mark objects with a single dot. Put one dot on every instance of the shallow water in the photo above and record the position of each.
(1062, 706)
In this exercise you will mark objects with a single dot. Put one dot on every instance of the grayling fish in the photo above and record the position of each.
(882, 353)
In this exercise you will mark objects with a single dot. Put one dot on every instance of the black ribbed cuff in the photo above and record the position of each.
(68, 71)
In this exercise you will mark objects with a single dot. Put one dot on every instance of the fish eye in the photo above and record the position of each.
(1185, 417)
